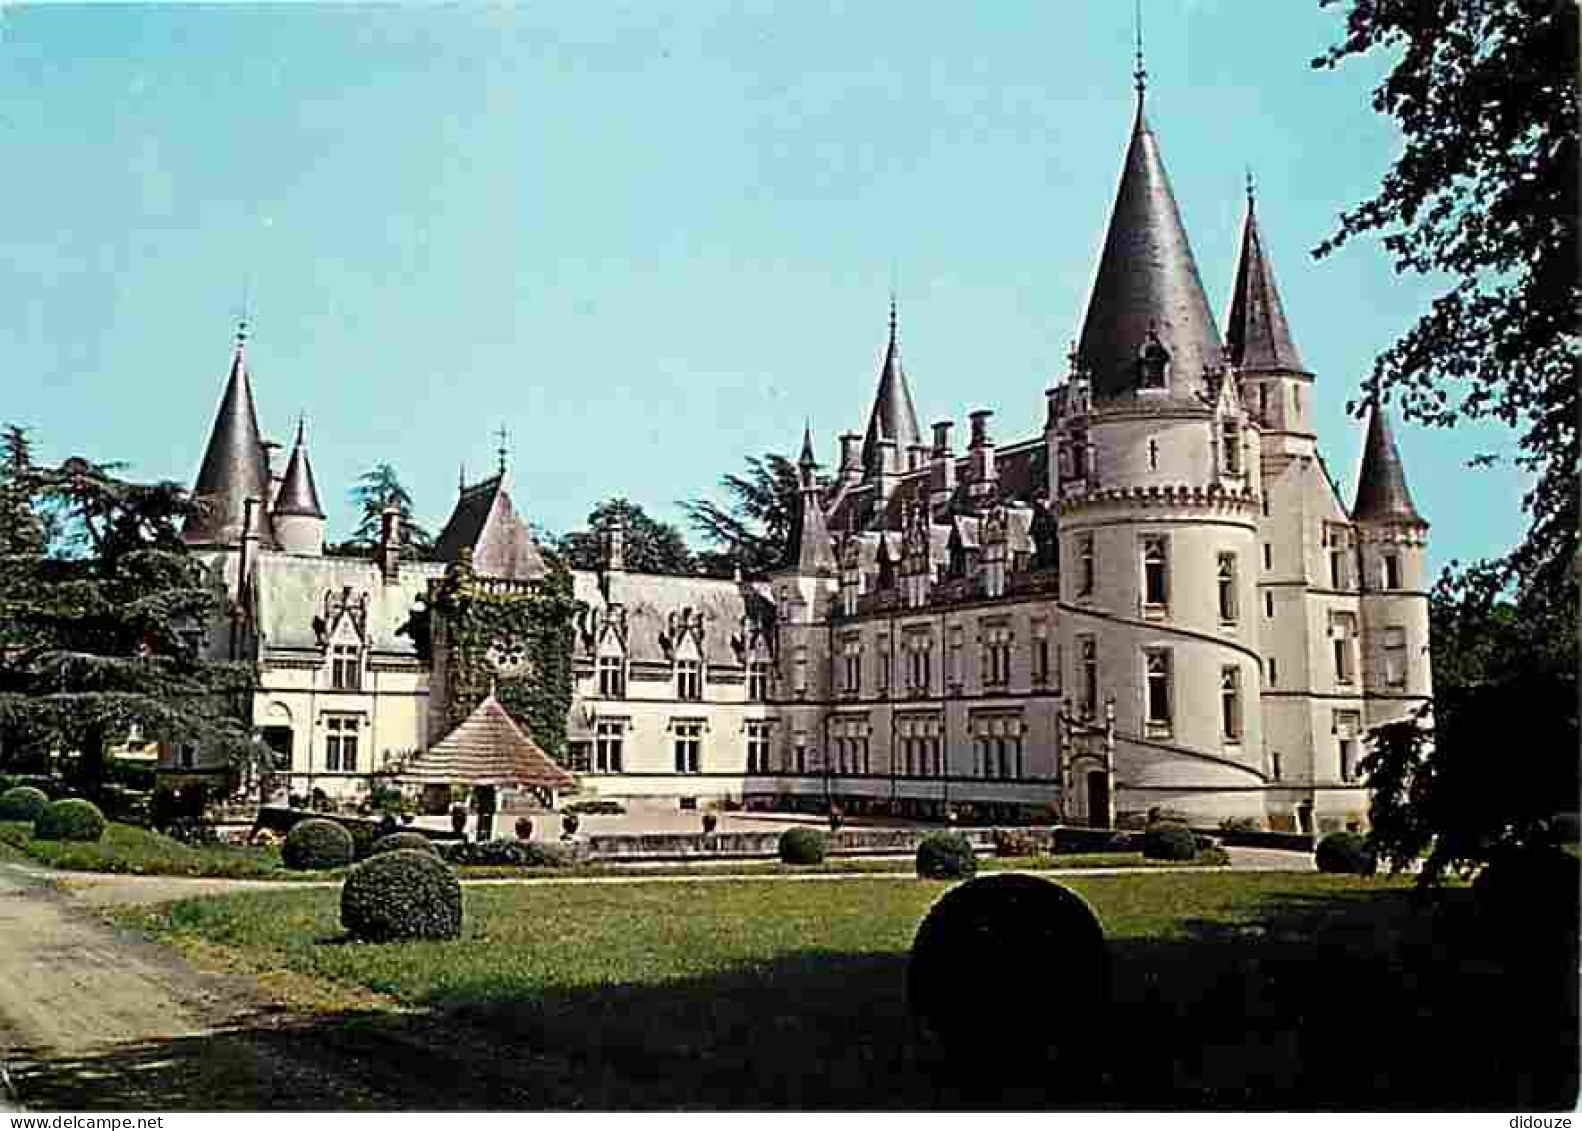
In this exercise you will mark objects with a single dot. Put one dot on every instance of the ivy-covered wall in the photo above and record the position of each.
(516, 636)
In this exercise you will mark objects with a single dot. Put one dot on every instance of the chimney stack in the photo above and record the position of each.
(390, 545)
(981, 453)
(942, 470)
(851, 458)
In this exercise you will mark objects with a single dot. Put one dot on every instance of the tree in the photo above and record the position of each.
(1502, 760)
(24, 531)
(753, 528)
(377, 491)
(107, 639)
(651, 546)
(1485, 195)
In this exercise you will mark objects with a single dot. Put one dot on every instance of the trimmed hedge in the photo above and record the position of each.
(397, 842)
(404, 894)
(72, 819)
(988, 945)
(316, 845)
(23, 803)
(803, 847)
(505, 854)
(1345, 854)
(945, 856)
(1169, 841)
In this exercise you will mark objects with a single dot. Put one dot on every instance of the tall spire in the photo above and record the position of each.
(1256, 331)
(1147, 285)
(893, 417)
(234, 467)
(1140, 72)
(811, 551)
(1381, 485)
(807, 460)
(298, 493)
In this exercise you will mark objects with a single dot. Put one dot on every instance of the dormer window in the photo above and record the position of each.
(757, 681)
(689, 679)
(1152, 361)
(612, 677)
(346, 668)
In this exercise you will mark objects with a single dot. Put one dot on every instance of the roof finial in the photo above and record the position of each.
(892, 315)
(1140, 75)
(461, 478)
(807, 458)
(241, 333)
(502, 450)
(302, 424)
(1252, 187)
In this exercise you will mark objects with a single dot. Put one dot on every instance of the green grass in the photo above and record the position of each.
(1231, 989)
(138, 851)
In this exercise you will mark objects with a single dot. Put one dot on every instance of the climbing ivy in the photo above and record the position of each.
(515, 636)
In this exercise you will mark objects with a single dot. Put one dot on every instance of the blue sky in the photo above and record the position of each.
(649, 239)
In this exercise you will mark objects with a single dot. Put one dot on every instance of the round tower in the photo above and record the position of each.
(298, 518)
(1156, 471)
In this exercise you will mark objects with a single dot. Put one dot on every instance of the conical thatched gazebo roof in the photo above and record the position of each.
(487, 748)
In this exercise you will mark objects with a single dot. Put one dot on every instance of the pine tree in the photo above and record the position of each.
(377, 491)
(651, 546)
(107, 640)
(753, 528)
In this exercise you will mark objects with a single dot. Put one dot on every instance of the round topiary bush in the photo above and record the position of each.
(403, 894)
(993, 941)
(24, 803)
(317, 844)
(804, 847)
(945, 856)
(397, 842)
(1345, 853)
(73, 819)
(1169, 841)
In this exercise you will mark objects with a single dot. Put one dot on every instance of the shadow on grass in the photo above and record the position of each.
(1368, 1001)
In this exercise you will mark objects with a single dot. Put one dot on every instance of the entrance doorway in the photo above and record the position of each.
(1098, 799)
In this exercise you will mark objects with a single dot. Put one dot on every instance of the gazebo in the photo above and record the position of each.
(488, 750)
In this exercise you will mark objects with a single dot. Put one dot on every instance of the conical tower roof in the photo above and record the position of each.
(298, 494)
(234, 467)
(810, 550)
(1256, 330)
(1381, 485)
(486, 529)
(893, 417)
(1147, 283)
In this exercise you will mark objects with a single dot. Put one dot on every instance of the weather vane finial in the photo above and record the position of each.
(1140, 75)
(503, 451)
(1252, 186)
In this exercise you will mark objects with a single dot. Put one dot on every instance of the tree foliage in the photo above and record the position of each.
(1484, 195)
(1500, 762)
(378, 490)
(106, 639)
(753, 529)
(651, 546)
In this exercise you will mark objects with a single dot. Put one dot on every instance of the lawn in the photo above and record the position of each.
(1231, 990)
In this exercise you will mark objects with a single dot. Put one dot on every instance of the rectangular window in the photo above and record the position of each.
(340, 743)
(1392, 571)
(1268, 603)
(758, 681)
(1348, 759)
(579, 754)
(346, 669)
(1156, 663)
(1339, 576)
(1088, 651)
(612, 677)
(1156, 570)
(884, 670)
(1040, 660)
(1268, 555)
(799, 756)
(1266, 504)
(1274, 765)
(1230, 703)
(1084, 565)
(689, 747)
(689, 679)
(996, 657)
(1342, 630)
(1227, 588)
(1263, 404)
(851, 666)
(1232, 447)
(1274, 673)
(608, 739)
(1395, 657)
(757, 748)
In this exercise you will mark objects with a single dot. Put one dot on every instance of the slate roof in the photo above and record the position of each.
(487, 748)
(1381, 484)
(1256, 329)
(1021, 472)
(298, 494)
(486, 521)
(649, 599)
(234, 467)
(893, 417)
(810, 550)
(1147, 279)
(290, 591)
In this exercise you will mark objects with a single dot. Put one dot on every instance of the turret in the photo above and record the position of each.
(234, 467)
(1277, 386)
(892, 418)
(298, 517)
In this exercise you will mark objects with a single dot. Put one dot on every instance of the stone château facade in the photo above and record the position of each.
(1153, 596)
